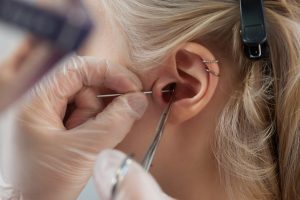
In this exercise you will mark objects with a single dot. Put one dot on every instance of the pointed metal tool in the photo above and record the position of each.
(119, 94)
(159, 132)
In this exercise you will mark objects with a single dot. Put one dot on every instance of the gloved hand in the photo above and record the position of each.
(53, 160)
(136, 185)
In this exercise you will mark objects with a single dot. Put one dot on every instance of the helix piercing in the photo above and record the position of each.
(209, 62)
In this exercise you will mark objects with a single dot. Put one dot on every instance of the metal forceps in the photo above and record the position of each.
(148, 158)
(159, 132)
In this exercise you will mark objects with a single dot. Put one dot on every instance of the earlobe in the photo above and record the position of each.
(198, 73)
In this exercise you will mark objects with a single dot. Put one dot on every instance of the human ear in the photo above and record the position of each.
(195, 71)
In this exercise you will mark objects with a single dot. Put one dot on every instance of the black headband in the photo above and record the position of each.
(253, 29)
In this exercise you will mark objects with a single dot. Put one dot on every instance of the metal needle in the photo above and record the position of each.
(116, 95)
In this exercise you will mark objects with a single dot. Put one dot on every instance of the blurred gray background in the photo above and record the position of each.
(9, 39)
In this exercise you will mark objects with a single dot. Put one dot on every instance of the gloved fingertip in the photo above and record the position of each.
(136, 82)
(121, 78)
(138, 102)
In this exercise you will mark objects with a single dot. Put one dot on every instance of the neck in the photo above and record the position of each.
(185, 166)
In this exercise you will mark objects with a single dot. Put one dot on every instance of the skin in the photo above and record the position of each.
(184, 165)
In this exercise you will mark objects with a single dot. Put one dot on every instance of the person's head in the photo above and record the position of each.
(249, 115)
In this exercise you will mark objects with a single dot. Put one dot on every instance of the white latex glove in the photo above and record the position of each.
(136, 185)
(53, 160)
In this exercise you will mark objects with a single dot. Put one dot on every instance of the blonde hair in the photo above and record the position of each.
(258, 135)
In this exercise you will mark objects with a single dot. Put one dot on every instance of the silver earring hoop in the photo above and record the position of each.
(212, 72)
(119, 176)
(208, 62)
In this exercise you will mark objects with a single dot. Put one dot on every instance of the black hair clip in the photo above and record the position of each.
(253, 29)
